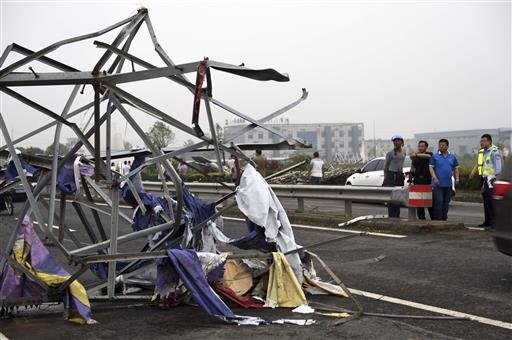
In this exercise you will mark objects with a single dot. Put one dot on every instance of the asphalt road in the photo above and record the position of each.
(459, 271)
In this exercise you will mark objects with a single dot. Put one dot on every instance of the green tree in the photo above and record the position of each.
(31, 150)
(127, 145)
(63, 149)
(160, 134)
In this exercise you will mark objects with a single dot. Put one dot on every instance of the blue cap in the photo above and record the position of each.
(396, 136)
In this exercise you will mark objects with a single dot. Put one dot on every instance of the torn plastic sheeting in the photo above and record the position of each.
(256, 200)
(304, 309)
(245, 301)
(200, 209)
(254, 239)
(283, 288)
(11, 172)
(237, 277)
(299, 322)
(185, 264)
(69, 175)
(30, 253)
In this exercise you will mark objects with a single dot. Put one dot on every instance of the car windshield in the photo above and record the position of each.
(371, 166)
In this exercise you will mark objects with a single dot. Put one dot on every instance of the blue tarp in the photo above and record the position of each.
(11, 172)
(255, 239)
(184, 264)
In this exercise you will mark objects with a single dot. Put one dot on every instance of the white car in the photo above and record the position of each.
(372, 173)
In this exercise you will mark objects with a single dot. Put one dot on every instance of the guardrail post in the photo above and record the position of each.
(348, 209)
(300, 204)
(411, 214)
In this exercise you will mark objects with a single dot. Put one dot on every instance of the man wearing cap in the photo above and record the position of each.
(443, 165)
(394, 171)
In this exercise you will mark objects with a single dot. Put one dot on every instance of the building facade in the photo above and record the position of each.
(467, 142)
(334, 141)
(379, 147)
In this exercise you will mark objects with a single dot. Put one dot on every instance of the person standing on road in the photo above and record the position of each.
(488, 167)
(182, 171)
(443, 166)
(420, 172)
(394, 171)
(232, 166)
(125, 169)
(261, 163)
(316, 169)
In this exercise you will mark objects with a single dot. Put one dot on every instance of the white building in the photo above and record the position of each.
(341, 141)
(379, 147)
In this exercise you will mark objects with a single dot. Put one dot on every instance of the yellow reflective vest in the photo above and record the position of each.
(486, 166)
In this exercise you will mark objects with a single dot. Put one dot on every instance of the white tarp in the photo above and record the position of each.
(257, 201)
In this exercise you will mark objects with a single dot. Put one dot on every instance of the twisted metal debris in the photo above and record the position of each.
(110, 99)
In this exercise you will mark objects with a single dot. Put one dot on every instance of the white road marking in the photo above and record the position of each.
(475, 228)
(327, 229)
(56, 227)
(487, 321)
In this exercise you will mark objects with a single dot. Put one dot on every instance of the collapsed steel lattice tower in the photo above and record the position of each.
(105, 184)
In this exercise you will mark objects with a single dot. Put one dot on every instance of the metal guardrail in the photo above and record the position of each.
(346, 193)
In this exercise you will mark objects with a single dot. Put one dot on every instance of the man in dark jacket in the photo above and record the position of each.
(394, 171)
(420, 172)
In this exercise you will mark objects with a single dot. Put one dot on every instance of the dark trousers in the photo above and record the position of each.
(315, 180)
(421, 213)
(393, 179)
(488, 203)
(441, 199)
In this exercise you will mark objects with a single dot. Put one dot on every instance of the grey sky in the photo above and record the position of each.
(408, 66)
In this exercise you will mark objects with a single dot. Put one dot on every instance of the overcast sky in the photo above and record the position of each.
(408, 66)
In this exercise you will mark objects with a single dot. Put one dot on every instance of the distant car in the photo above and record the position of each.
(503, 211)
(372, 173)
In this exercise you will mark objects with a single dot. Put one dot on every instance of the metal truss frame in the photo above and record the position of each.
(104, 240)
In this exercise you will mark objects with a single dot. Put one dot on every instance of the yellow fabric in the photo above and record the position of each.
(283, 288)
(21, 252)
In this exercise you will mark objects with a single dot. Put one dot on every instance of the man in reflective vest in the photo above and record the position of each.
(488, 167)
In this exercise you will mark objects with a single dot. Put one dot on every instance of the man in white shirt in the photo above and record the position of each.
(125, 169)
(232, 168)
(316, 169)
